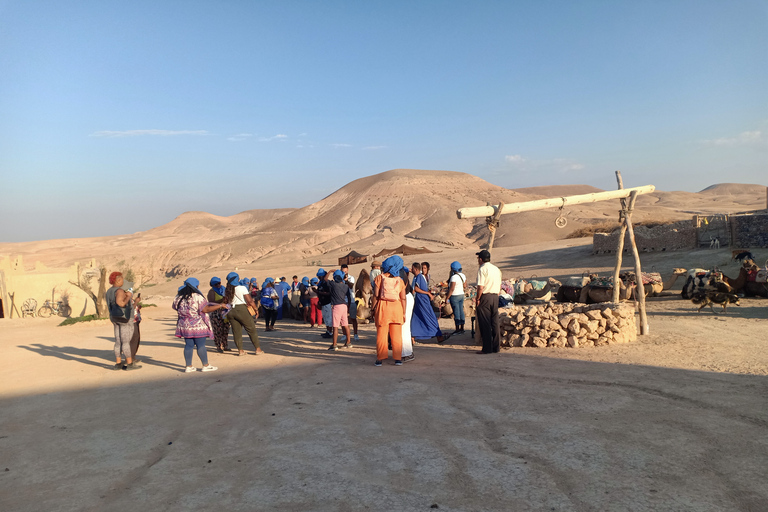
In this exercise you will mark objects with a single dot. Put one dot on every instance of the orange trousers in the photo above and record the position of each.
(393, 331)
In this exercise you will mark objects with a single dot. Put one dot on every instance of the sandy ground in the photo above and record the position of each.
(675, 421)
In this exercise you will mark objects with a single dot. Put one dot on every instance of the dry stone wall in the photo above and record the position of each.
(567, 325)
(670, 237)
(750, 230)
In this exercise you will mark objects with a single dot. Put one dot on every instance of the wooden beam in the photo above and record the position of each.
(620, 243)
(555, 202)
(639, 288)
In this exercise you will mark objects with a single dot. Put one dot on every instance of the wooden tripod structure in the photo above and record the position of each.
(627, 196)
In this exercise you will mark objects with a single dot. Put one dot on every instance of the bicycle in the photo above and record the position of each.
(59, 307)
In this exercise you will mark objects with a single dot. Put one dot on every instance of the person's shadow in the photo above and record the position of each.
(103, 358)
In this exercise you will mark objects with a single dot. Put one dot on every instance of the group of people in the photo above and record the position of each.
(402, 309)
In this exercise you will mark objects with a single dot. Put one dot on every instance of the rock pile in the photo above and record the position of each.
(567, 325)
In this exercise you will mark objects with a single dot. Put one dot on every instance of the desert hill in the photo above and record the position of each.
(416, 207)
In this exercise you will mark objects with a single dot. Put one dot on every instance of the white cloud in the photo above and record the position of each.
(373, 148)
(135, 133)
(240, 136)
(279, 136)
(753, 138)
(562, 165)
(341, 145)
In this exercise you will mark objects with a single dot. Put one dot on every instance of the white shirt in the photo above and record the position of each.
(489, 277)
(459, 280)
(240, 293)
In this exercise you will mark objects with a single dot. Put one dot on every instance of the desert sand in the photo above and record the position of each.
(675, 421)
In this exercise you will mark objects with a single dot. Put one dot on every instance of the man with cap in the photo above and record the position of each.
(375, 271)
(487, 302)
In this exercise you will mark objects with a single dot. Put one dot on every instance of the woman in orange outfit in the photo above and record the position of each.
(389, 310)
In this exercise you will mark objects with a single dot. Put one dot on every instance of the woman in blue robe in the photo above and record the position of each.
(423, 322)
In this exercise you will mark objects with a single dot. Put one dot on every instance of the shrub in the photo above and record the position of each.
(75, 320)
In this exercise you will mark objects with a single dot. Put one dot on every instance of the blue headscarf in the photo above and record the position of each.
(392, 265)
(244, 281)
(314, 281)
(338, 276)
(233, 279)
(456, 266)
(305, 281)
(321, 273)
(216, 285)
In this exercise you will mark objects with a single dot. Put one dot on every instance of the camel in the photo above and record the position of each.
(544, 295)
(570, 290)
(704, 280)
(744, 285)
(593, 293)
(652, 284)
(363, 286)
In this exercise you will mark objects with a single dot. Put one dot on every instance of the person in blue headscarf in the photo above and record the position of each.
(315, 317)
(220, 327)
(304, 298)
(193, 324)
(423, 322)
(456, 296)
(269, 303)
(324, 300)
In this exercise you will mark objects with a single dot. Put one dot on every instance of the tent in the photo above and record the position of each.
(353, 258)
(403, 249)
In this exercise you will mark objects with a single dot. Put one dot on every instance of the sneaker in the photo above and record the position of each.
(347, 345)
(398, 363)
(118, 366)
(343, 337)
(377, 363)
(133, 366)
(209, 368)
(408, 358)
(333, 347)
(190, 369)
(356, 337)
(326, 335)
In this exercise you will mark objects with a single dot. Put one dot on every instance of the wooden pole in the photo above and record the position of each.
(493, 224)
(619, 244)
(639, 289)
(555, 202)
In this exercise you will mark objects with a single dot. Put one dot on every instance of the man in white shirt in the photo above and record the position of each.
(487, 302)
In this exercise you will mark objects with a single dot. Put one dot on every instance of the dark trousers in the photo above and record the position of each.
(488, 321)
(136, 339)
(270, 315)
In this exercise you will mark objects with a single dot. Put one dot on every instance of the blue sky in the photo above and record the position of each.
(163, 107)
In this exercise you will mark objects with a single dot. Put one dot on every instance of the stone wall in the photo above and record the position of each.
(567, 325)
(670, 237)
(750, 230)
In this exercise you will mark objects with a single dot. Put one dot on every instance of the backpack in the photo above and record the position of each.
(388, 290)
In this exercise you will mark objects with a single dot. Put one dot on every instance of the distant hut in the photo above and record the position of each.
(352, 258)
(405, 250)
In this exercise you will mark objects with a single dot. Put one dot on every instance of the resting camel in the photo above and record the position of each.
(655, 287)
(593, 293)
(744, 285)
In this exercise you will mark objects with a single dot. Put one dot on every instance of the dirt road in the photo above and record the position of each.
(675, 421)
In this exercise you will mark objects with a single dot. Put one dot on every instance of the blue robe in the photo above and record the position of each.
(423, 322)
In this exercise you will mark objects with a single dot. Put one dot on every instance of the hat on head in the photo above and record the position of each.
(392, 265)
(233, 278)
(254, 280)
(305, 281)
(375, 263)
(350, 280)
(321, 272)
(215, 281)
(338, 276)
(314, 281)
(282, 278)
(455, 266)
(193, 283)
(484, 255)
(182, 287)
